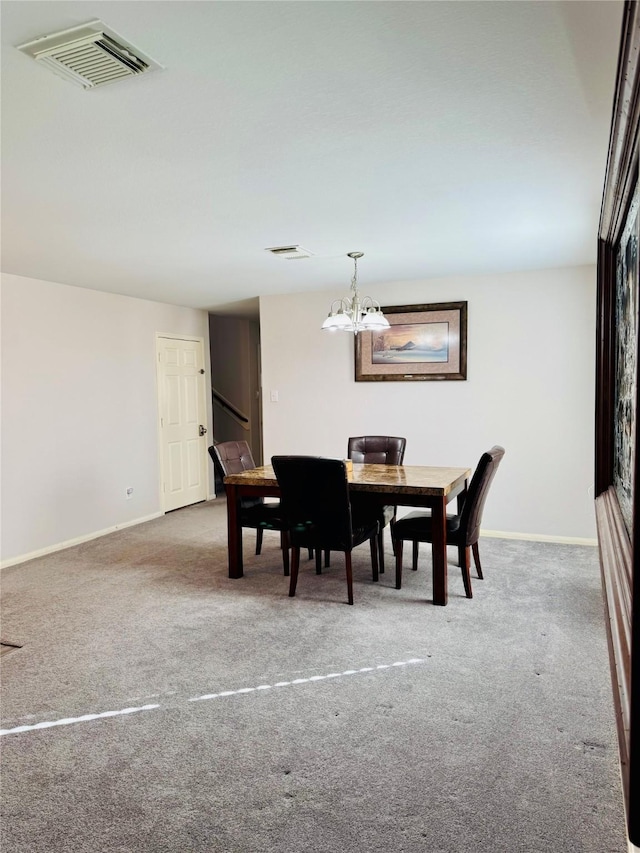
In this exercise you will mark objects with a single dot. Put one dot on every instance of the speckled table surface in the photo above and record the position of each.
(386, 479)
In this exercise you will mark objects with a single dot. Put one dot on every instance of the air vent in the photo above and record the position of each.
(291, 253)
(89, 55)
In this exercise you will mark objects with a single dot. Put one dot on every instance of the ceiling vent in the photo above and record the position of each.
(89, 55)
(291, 253)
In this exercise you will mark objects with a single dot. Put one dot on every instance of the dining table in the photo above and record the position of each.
(401, 485)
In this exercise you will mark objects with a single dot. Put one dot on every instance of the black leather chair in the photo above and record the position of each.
(233, 457)
(384, 450)
(463, 529)
(314, 496)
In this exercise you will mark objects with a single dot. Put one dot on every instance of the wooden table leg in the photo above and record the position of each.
(439, 551)
(234, 532)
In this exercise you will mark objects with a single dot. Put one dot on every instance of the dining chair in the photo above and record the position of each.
(463, 529)
(314, 496)
(383, 450)
(233, 457)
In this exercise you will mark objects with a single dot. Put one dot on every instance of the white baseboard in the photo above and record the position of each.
(51, 549)
(539, 537)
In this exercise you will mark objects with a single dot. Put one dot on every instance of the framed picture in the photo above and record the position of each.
(424, 342)
(617, 456)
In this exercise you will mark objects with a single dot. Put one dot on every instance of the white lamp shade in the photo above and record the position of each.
(335, 322)
(374, 320)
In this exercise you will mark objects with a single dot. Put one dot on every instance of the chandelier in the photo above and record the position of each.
(355, 313)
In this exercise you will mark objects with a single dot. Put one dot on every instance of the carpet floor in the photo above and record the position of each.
(157, 705)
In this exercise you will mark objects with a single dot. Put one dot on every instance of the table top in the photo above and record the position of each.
(395, 479)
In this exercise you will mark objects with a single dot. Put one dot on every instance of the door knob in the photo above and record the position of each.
(203, 430)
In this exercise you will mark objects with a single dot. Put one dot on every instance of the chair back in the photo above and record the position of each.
(380, 449)
(232, 457)
(471, 515)
(314, 499)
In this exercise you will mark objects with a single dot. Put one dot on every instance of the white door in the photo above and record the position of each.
(181, 384)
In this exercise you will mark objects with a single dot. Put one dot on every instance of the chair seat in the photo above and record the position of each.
(266, 516)
(362, 504)
(418, 525)
(247, 503)
(312, 536)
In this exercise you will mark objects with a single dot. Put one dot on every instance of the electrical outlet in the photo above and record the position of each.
(129, 492)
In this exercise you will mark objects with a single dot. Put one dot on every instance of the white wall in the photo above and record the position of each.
(79, 410)
(530, 387)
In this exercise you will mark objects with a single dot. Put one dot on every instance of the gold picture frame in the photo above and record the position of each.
(423, 343)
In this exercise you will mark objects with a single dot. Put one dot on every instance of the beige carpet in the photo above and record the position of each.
(157, 705)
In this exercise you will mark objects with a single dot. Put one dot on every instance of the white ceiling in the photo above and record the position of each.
(436, 137)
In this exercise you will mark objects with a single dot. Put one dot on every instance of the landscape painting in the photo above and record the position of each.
(423, 342)
(412, 344)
